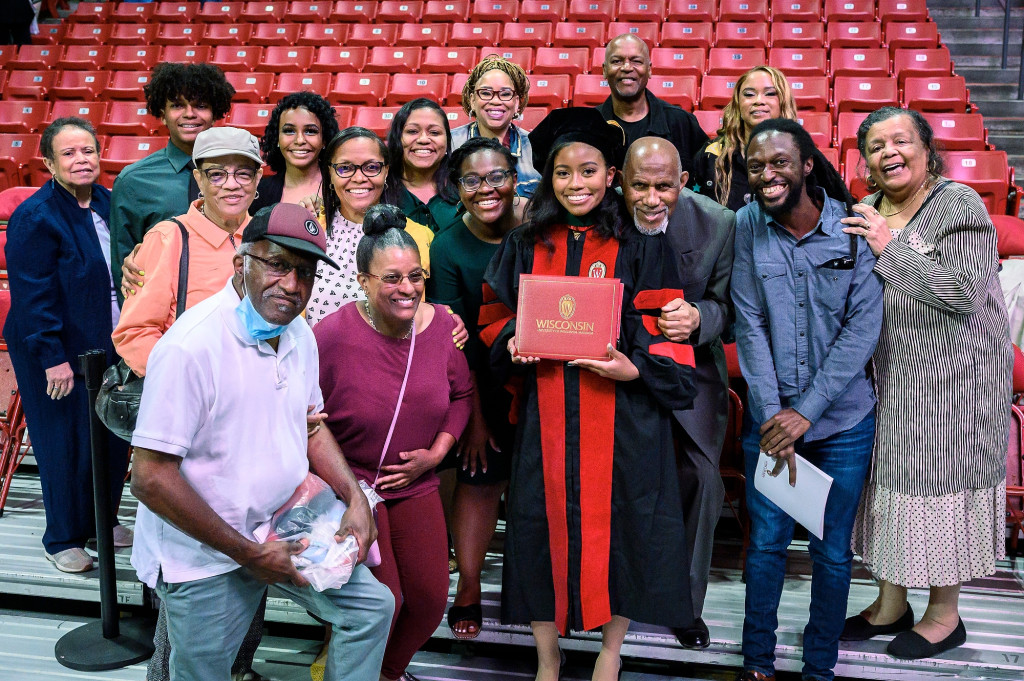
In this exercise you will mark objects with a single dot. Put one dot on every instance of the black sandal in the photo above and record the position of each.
(466, 613)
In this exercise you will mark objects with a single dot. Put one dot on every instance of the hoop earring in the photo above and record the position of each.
(516, 199)
(257, 195)
(200, 197)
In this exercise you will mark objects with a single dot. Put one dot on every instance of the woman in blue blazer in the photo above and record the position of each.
(62, 304)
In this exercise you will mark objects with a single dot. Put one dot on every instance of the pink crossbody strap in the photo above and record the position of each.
(398, 407)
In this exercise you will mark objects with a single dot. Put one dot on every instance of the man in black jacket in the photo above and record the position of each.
(627, 68)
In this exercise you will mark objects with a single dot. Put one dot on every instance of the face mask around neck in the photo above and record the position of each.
(258, 327)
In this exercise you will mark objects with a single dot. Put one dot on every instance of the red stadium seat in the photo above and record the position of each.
(810, 92)
(589, 90)
(266, 35)
(178, 34)
(641, 10)
(958, 131)
(375, 118)
(29, 84)
(394, 60)
(122, 151)
(343, 114)
(597, 60)
(918, 35)
(295, 59)
(236, 58)
(533, 115)
(864, 93)
(456, 116)
(446, 11)
(250, 87)
(399, 11)
(133, 12)
(7, 53)
(454, 96)
(406, 87)
(358, 12)
(548, 90)
(176, 12)
(819, 125)
(902, 10)
(131, 58)
(716, 91)
(126, 85)
(691, 10)
(528, 34)
(555, 60)
(372, 35)
(543, 10)
(648, 31)
(49, 34)
(799, 35)
(849, 10)
(449, 60)
(846, 131)
(710, 121)
(368, 89)
(831, 155)
(186, 54)
(227, 35)
(341, 59)
(323, 35)
(85, 85)
(475, 35)
(251, 117)
(23, 117)
(933, 61)
(743, 10)
(859, 61)
(305, 12)
(91, 12)
(221, 12)
(35, 57)
(133, 34)
(265, 12)
(687, 35)
(948, 94)
(519, 55)
(1009, 244)
(16, 151)
(423, 35)
(797, 61)
(734, 61)
(796, 10)
(126, 118)
(678, 90)
(741, 34)
(84, 57)
(94, 112)
(853, 34)
(287, 83)
(499, 11)
(579, 34)
(678, 61)
(855, 174)
(989, 174)
(591, 10)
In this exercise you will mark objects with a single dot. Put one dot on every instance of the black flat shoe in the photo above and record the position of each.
(910, 645)
(858, 628)
(695, 637)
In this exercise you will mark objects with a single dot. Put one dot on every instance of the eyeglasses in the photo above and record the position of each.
(279, 268)
(415, 277)
(369, 169)
(495, 178)
(218, 176)
(487, 94)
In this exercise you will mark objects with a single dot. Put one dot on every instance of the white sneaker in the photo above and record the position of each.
(71, 560)
(123, 536)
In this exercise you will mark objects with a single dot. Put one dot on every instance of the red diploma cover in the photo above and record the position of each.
(567, 318)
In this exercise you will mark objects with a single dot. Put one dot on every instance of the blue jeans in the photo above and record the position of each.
(846, 457)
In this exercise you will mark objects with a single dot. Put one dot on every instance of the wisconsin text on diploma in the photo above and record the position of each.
(561, 325)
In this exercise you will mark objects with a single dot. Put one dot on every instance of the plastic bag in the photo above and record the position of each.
(314, 512)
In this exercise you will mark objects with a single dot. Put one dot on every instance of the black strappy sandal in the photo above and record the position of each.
(466, 613)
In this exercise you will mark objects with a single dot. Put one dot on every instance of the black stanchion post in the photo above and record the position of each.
(1020, 69)
(977, 8)
(1006, 35)
(110, 643)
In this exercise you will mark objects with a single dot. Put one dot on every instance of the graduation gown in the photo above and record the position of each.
(595, 526)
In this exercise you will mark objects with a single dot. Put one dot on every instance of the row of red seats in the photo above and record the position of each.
(531, 34)
(502, 11)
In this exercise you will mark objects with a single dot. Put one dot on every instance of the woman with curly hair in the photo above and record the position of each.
(720, 170)
(495, 94)
(298, 130)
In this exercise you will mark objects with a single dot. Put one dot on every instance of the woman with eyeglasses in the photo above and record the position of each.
(419, 144)
(497, 91)
(398, 395)
(484, 170)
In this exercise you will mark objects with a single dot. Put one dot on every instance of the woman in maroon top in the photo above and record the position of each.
(364, 354)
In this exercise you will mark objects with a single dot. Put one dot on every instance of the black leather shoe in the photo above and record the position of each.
(695, 637)
(910, 645)
(858, 628)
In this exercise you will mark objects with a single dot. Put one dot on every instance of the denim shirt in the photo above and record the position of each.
(518, 144)
(805, 333)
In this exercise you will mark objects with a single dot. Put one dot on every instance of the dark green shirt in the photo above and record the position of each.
(146, 192)
(437, 214)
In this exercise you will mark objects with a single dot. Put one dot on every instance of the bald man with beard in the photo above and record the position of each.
(700, 232)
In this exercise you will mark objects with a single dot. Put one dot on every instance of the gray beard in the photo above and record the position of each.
(660, 229)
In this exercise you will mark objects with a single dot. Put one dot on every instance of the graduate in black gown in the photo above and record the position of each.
(595, 534)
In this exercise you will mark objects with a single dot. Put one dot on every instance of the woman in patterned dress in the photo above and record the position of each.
(933, 513)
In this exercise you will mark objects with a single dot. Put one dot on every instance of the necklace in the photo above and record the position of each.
(366, 307)
(906, 204)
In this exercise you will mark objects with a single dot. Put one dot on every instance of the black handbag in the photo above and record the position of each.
(117, 403)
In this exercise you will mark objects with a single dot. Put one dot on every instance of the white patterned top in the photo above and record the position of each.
(334, 288)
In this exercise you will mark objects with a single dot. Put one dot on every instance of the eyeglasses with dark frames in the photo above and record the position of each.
(218, 176)
(486, 94)
(369, 169)
(415, 277)
(495, 178)
(278, 268)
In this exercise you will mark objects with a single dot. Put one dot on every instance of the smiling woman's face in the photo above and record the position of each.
(896, 157)
(580, 178)
(300, 138)
(424, 142)
(357, 192)
(758, 99)
(76, 158)
(494, 114)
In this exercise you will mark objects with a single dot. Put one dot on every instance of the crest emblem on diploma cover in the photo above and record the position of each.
(567, 306)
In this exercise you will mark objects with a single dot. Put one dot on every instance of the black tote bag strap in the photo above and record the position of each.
(182, 271)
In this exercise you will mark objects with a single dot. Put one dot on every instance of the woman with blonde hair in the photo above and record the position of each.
(720, 169)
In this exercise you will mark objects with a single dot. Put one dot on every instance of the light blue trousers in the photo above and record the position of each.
(207, 620)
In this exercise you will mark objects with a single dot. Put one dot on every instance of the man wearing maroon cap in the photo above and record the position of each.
(221, 443)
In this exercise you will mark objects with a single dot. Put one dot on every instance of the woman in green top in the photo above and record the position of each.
(419, 146)
(484, 171)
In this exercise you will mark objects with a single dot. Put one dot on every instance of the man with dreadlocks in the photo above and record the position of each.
(808, 313)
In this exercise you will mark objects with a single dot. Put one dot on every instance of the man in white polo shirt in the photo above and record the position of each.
(221, 443)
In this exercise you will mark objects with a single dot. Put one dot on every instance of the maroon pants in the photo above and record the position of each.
(413, 545)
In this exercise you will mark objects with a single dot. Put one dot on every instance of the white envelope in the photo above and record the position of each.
(805, 503)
